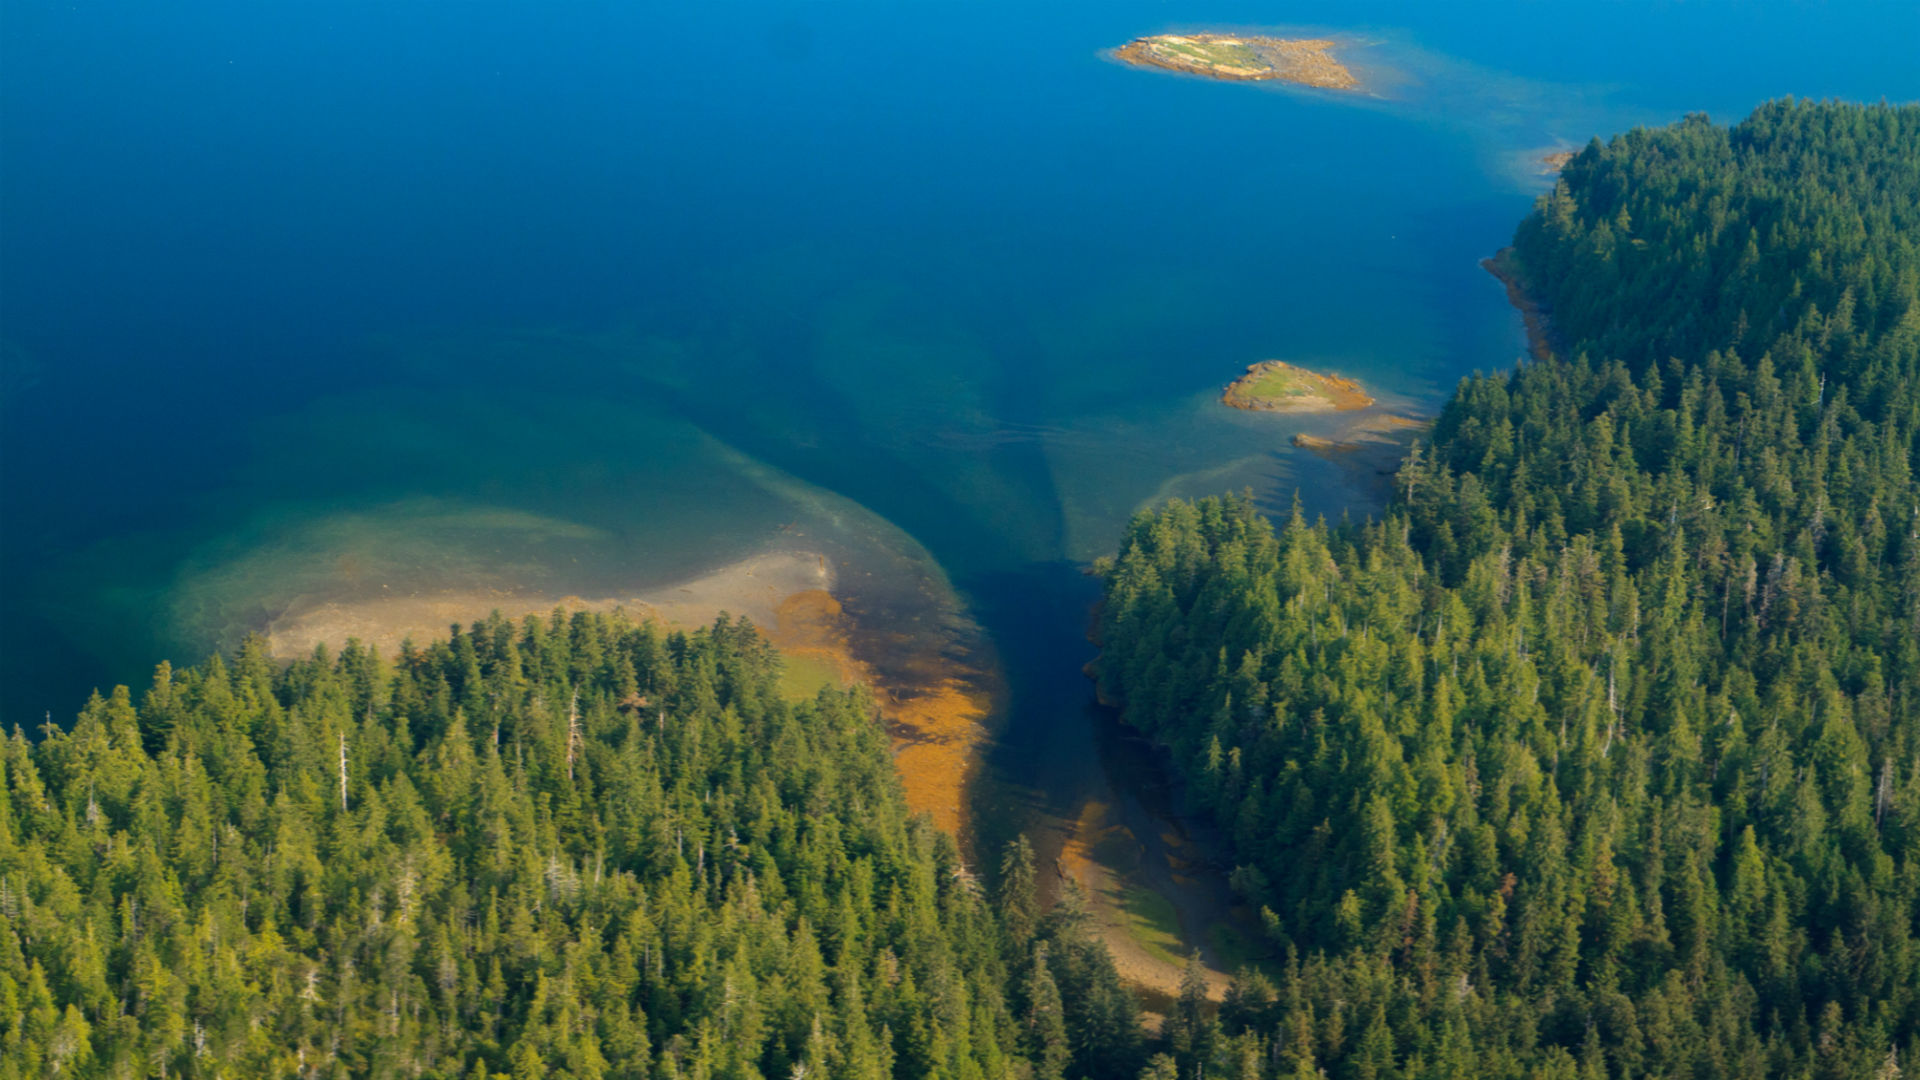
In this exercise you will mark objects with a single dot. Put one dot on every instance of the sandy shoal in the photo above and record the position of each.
(936, 717)
(1097, 856)
(754, 588)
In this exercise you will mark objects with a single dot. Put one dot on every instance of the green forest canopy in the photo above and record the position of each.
(568, 848)
(1599, 755)
(1596, 757)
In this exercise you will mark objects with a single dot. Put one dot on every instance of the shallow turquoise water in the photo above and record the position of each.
(271, 275)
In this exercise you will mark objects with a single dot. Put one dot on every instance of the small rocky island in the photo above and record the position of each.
(1243, 58)
(1277, 386)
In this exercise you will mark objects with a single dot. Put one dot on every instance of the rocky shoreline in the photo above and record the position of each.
(1506, 268)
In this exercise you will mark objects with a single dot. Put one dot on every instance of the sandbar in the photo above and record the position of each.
(753, 588)
(1140, 926)
(935, 712)
(1369, 430)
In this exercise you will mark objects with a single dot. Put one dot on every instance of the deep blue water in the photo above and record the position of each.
(274, 274)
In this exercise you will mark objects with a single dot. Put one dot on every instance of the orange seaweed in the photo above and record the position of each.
(937, 722)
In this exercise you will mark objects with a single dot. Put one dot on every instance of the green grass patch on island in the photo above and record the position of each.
(1234, 53)
(803, 677)
(1154, 923)
(1277, 386)
(1279, 382)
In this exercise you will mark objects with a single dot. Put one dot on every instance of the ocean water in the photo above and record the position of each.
(292, 293)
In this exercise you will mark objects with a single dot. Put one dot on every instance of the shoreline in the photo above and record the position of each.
(1505, 268)
(1143, 859)
(1136, 893)
(1104, 852)
(752, 588)
(935, 708)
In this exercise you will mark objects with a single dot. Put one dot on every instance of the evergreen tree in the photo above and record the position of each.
(565, 848)
(1598, 754)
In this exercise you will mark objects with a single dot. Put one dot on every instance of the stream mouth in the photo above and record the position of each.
(974, 650)
(946, 334)
(1095, 798)
(1098, 800)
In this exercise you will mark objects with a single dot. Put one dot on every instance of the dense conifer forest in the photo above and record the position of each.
(567, 848)
(1599, 754)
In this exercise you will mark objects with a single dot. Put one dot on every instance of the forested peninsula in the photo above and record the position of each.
(1599, 754)
(569, 847)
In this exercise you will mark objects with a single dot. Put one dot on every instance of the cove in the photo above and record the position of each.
(575, 300)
